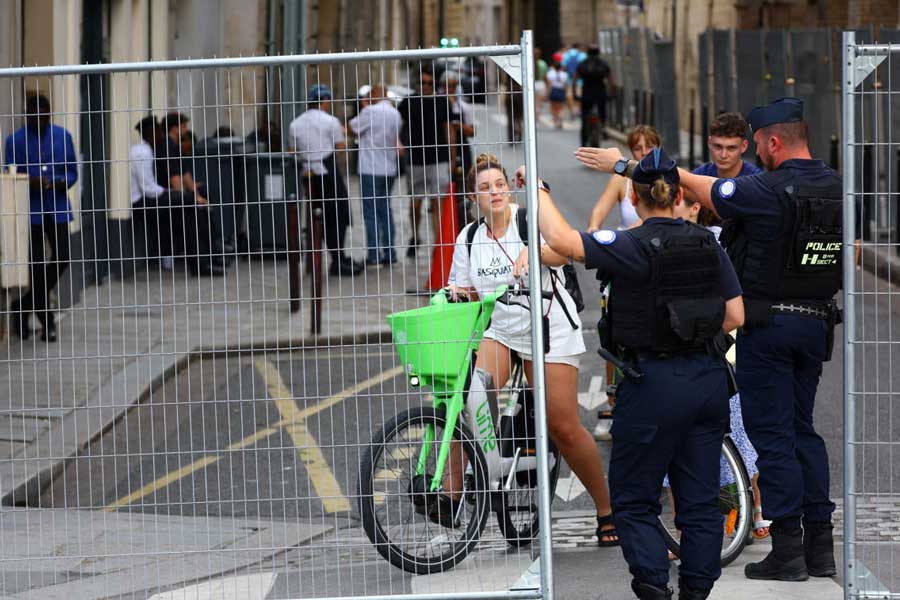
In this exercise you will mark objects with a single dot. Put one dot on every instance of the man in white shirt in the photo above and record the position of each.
(147, 196)
(316, 135)
(378, 127)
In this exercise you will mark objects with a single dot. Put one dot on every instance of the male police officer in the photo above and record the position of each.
(785, 242)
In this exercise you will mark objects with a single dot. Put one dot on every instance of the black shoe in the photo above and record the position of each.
(645, 591)
(818, 549)
(443, 512)
(606, 533)
(689, 593)
(18, 322)
(49, 334)
(411, 251)
(346, 268)
(785, 562)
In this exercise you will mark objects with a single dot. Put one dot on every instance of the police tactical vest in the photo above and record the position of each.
(679, 308)
(803, 264)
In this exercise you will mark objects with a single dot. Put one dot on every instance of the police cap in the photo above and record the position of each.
(783, 110)
(656, 164)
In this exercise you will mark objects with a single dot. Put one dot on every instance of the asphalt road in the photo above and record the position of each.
(278, 435)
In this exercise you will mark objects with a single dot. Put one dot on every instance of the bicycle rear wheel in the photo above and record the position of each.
(394, 502)
(735, 505)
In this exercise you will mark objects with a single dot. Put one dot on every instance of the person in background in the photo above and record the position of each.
(47, 154)
(317, 136)
(378, 128)
(267, 136)
(148, 196)
(462, 122)
(557, 81)
(727, 144)
(573, 57)
(595, 75)
(428, 137)
(540, 82)
(202, 234)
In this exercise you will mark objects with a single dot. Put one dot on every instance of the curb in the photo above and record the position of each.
(26, 492)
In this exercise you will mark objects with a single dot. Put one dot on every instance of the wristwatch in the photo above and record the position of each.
(621, 167)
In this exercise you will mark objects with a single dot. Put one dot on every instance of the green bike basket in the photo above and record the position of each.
(432, 341)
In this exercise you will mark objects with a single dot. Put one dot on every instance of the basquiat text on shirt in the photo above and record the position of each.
(496, 269)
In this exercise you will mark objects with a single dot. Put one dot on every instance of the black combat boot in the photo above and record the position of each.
(689, 593)
(645, 591)
(785, 562)
(818, 548)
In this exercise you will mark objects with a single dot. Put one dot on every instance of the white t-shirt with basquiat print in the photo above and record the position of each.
(489, 266)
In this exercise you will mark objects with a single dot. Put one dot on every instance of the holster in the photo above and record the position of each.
(835, 316)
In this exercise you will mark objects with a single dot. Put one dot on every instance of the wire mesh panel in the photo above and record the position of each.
(871, 336)
(229, 365)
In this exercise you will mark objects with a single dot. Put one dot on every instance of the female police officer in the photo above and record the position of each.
(673, 292)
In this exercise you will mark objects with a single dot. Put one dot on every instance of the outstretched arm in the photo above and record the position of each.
(558, 234)
(698, 188)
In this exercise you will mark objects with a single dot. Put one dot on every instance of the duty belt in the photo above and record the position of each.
(803, 311)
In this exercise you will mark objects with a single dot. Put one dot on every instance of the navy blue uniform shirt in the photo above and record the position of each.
(753, 199)
(619, 254)
(711, 170)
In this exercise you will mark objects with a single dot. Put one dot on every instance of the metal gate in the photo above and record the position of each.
(871, 336)
(199, 426)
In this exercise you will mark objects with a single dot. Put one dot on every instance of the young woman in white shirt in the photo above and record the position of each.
(557, 83)
(497, 255)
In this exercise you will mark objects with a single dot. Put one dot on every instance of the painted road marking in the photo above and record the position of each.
(595, 396)
(569, 488)
(252, 439)
(162, 482)
(327, 487)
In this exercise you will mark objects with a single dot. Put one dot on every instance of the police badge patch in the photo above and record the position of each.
(726, 189)
(605, 236)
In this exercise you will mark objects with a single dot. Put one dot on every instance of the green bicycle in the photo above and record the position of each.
(419, 514)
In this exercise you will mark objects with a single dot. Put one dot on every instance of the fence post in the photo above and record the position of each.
(896, 239)
(534, 284)
(849, 302)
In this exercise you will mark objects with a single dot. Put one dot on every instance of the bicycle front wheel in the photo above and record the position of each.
(396, 507)
(517, 514)
(735, 505)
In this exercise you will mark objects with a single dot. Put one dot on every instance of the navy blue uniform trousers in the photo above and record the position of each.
(673, 421)
(778, 370)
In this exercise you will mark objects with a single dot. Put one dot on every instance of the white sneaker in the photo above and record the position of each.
(167, 263)
(601, 431)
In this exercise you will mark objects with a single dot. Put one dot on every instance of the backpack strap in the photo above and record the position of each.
(471, 232)
(522, 225)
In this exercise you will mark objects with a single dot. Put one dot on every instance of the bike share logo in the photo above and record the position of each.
(486, 426)
(828, 257)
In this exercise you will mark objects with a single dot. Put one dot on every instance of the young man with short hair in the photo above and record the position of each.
(727, 143)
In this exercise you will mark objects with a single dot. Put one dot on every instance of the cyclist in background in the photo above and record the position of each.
(594, 74)
(496, 255)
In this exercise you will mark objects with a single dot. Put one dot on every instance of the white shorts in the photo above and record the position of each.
(430, 181)
(540, 89)
(573, 360)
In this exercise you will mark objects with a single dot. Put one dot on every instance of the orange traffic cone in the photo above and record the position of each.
(442, 258)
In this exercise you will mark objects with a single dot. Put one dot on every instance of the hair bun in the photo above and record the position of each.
(485, 158)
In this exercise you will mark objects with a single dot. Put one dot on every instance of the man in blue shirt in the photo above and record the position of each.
(573, 57)
(727, 144)
(46, 153)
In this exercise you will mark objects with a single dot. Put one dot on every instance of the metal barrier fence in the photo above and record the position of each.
(200, 407)
(871, 436)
